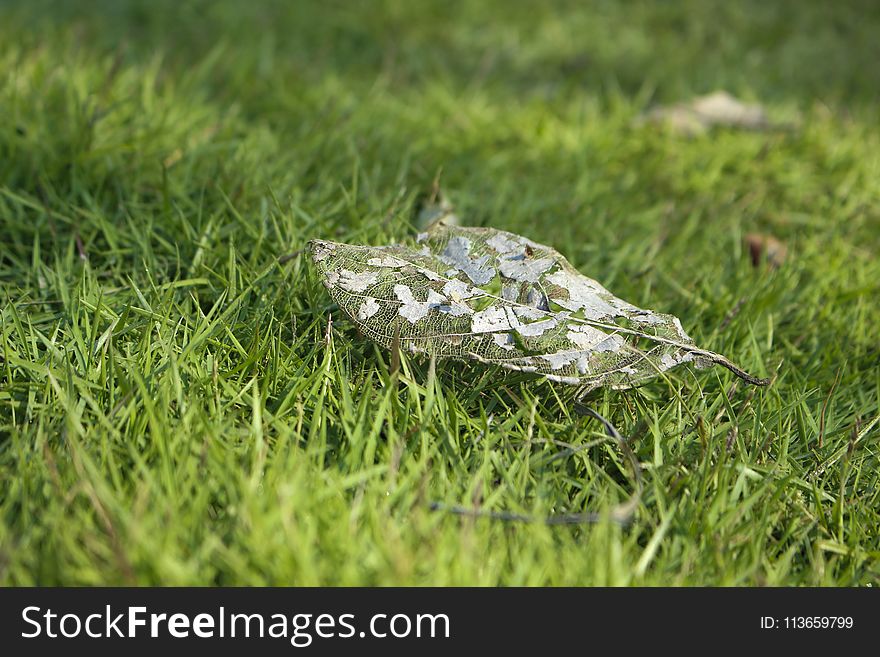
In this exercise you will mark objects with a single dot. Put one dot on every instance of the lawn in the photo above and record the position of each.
(175, 410)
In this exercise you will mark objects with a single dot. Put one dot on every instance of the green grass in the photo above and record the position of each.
(170, 412)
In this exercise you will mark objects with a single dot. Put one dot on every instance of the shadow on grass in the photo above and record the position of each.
(782, 51)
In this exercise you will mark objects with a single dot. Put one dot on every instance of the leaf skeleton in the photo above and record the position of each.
(495, 297)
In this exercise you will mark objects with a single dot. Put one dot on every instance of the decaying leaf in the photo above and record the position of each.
(495, 297)
(715, 109)
(766, 248)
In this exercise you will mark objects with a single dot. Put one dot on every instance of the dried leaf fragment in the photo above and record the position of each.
(715, 109)
(496, 297)
(766, 248)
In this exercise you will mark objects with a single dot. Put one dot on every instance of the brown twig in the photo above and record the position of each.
(621, 514)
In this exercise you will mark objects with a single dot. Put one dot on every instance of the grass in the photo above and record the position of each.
(171, 413)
